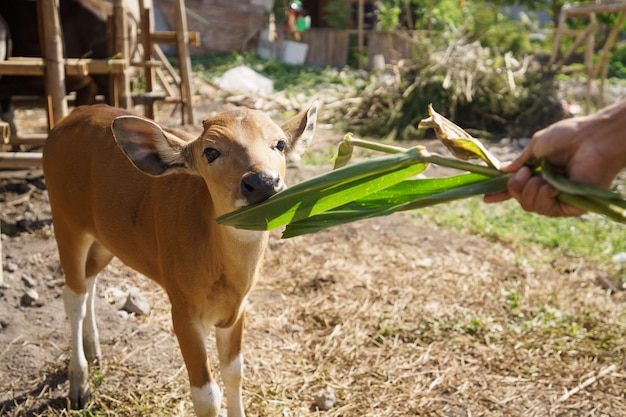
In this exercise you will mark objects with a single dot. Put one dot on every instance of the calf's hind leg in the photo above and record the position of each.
(97, 258)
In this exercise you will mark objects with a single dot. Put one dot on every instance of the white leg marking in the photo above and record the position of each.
(207, 400)
(232, 374)
(75, 308)
(91, 340)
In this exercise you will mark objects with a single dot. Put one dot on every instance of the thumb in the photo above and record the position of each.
(520, 161)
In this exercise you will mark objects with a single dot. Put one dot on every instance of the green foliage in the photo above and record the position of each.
(444, 15)
(338, 14)
(617, 63)
(389, 17)
(498, 32)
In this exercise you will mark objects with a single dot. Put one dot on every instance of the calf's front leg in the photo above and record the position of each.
(229, 342)
(205, 393)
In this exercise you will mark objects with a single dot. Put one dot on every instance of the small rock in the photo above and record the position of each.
(29, 298)
(619, 258)
(325, 399)
(11, 267)
(116, 296)
(425, 262)
(245, 80)
(136, 303)
(28, 281)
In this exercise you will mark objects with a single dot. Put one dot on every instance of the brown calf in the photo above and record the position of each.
(157, 214)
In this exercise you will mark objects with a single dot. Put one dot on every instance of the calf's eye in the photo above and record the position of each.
(211, 154)
(281, 145)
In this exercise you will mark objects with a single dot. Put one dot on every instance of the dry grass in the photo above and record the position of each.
(399, 319)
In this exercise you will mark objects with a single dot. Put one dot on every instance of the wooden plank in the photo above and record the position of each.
(169, 38)
(584, 9)
(73, 66)
(29, 139)
(15, 160)
(166, 63)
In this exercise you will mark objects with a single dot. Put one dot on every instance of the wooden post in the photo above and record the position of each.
(184, 62)
(147, 27)
(602, 66)
(6, 133)
(120, 20)
(1, 259)
(360, 23)
(591, 42)
(52, 51)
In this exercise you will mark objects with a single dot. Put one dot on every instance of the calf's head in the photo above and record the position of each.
(241, 154)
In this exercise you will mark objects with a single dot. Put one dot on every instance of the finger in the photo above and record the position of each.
(530, 194)
(545, 201)
(571, 211)
(518, 181)
(496, 197)
(527, 155)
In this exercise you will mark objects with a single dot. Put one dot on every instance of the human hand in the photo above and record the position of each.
(588, 150)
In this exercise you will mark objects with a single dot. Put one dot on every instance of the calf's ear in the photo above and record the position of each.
(149, 148)
(300, 130)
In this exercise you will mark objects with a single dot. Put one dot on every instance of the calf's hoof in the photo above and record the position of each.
(79, 396)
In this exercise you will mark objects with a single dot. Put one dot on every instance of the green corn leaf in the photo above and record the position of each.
(328, 191)
(407, 195)
(563, 184)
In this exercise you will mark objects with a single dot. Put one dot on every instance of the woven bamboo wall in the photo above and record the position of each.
(327, 47)
(391, 45)
(233, 25)
(332, 46)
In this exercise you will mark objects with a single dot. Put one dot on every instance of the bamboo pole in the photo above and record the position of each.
(147, 27)
(602, 65)
(360, 33)
(184, 62)
(170, 38)
(73, 66)
(5, 133)
(52, 51)
(15, 160)
(589, 48)
(121, 46)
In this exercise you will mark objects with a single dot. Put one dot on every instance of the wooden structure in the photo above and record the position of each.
(332, 46)
(54, 67)
(586, 38)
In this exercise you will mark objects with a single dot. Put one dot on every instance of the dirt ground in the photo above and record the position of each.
(397, 318)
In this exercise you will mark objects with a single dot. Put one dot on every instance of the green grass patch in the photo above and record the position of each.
(591, 236)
